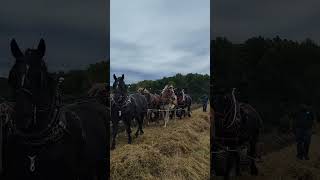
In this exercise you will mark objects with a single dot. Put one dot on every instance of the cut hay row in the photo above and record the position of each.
(180, 151)
(283, 164)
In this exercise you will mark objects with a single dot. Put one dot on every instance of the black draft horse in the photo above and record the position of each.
(46, 139)
(235, 124)
(126, 108)
(184, 103)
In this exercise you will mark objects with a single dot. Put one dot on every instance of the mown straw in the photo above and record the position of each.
(180, 151)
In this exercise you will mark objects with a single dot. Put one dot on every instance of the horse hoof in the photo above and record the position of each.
(141, 132)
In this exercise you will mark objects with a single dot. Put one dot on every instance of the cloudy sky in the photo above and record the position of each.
(76, 31)
(155, 38)
(291, 19)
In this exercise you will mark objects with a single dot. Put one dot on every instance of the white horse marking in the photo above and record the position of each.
(32, 163)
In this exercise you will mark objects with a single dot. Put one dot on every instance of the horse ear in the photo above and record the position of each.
(122, 77)
(42, 47)
(114, 77)
(16, 52)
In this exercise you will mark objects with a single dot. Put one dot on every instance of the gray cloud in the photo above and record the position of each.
(239, 20)
(76, 31)
(152, 39)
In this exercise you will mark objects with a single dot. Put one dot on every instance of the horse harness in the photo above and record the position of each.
(53, 133)
(234, 109)
(121, 105)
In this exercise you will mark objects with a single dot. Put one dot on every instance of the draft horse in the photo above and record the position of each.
(184, 102)
(126, 108)
(236, 125)
(168, 103)
(153, 104)
(44, 138)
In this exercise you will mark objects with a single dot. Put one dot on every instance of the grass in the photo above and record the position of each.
(180, 151)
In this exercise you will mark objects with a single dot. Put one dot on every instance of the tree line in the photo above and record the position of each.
(76, 83)
(196, 85)
(274, 74)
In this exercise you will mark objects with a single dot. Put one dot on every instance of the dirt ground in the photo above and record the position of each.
(179, 151)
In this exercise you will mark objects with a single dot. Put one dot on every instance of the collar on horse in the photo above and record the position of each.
(234, 110)
(54, 130)
(125, 101)
(52, 133)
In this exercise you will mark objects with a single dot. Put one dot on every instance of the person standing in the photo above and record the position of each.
(205, 100)
(303, 131)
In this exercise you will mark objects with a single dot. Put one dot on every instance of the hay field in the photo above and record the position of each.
(283, 164)
(180, 151)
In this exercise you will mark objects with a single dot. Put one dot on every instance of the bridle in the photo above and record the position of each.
(120, 98)
(51, 131)
(29, 92)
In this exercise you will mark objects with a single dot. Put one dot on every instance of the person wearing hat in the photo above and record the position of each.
(303, 130)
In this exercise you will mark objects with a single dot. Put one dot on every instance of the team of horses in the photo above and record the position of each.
(43, 138)
(144, 105)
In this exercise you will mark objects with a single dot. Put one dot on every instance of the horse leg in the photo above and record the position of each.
(237, 156)
(114, 133)
(141, 124)
(128, 124)
(252, 153)
(166, 118)
(149, 118)
(160, 116)
(173, 113)
(189, 111)
(232, 163)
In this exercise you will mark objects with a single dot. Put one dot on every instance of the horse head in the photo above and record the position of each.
(168, 95)
(180, 95)
(140, 90)
(119, 89)
(30, 82)
(29, 70)
(222, 101)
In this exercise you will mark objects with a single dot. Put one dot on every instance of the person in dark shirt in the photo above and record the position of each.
(303, 131)
(205, 100)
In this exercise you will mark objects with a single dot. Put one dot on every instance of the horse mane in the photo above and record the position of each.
(97, 89)
(164, 89)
